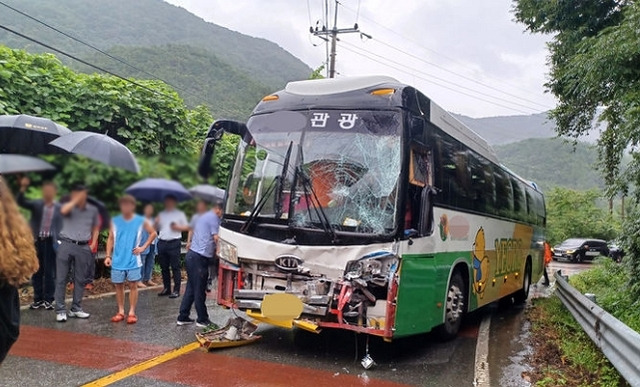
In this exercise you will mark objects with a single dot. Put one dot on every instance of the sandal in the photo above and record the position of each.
(117, 318)
(132, 319)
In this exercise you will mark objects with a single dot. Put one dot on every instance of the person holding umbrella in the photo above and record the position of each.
(171, 223)
(125, 243)
(80, 229)
(45, 222)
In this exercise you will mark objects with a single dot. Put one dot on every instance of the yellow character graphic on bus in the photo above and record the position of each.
(480, 264)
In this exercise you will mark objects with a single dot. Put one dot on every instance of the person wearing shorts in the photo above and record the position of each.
(123, 254)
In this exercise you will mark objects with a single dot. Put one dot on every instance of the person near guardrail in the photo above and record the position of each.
(79, 234)
(124, 248)
(18, 261)
(149, 255)
(171, 222)
(45, 223)
(547, 261)
(199, 257)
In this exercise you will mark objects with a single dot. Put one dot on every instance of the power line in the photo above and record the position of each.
(442, 68)
(100, 51)
(431, 77)
(79, 60)
(404, 70)
(419, 44)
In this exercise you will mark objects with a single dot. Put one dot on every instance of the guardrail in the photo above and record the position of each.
(619, 343)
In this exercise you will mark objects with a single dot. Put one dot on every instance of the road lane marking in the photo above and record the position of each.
(143, 366)
(481, 373)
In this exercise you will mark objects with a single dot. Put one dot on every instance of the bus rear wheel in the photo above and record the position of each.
(522, 294)
(454, 308)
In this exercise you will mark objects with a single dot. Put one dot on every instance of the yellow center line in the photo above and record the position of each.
(145, 365)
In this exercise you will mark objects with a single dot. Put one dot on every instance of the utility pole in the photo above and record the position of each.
(331, 36)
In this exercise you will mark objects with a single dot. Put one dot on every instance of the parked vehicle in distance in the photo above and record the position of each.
(580, 249)
(615, 251)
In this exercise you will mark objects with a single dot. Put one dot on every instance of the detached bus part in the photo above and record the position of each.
(359, 204)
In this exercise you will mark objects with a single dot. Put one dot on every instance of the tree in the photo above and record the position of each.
(595, 67)
(148, 116)
(576, 214)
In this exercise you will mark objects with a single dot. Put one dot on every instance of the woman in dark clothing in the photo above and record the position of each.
(18, 261)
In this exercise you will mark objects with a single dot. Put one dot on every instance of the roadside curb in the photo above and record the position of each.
(102, 295)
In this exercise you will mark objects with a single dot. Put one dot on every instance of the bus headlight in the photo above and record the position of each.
(227, 251)
(375, 267)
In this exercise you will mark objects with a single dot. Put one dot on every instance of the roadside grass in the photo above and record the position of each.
(563, 355)
(609, 281)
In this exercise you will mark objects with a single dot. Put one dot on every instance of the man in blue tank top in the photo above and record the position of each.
(123, 254)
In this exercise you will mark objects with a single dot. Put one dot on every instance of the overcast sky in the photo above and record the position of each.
(467, 55)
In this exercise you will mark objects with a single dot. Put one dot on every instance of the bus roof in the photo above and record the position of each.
(356, 93)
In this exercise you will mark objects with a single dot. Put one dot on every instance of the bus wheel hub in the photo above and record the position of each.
(455, 303)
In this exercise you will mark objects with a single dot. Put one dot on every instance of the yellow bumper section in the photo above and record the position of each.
(283, 310)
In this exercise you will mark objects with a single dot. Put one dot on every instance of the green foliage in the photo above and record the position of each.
(583, 364)
(609, 281)
(575, 214)
(153, 121)
(200, 76)
(317, 73)
(553, 162)
(631, 245)
(150, 23)
(595, 65)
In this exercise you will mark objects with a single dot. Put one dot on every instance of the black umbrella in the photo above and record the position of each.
(105, 218)
(23, 134)
(156, 190)
(98, 147)
(208, 193)
(19, 164)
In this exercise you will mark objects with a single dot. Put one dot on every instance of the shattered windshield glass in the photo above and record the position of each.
(345, 166)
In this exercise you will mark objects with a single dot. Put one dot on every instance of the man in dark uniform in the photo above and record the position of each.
(45, 223)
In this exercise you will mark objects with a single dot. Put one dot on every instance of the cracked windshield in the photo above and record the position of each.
(321, 168)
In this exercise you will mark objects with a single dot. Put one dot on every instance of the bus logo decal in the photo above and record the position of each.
(480, 264)
(444, 227)
(288, 263)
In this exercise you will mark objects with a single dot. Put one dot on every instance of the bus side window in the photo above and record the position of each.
(519, 201)
(419, 211)
(482, 187)
(504, 193)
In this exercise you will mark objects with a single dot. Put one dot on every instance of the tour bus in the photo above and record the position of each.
(358, 203)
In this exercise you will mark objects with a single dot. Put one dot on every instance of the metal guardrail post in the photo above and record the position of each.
(619, 343)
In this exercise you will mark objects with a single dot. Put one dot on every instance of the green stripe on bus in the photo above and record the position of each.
(423, 282)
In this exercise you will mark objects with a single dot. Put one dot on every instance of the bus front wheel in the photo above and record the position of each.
(455, 307)
(522, 295)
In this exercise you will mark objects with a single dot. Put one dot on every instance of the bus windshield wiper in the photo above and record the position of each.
(256, 210)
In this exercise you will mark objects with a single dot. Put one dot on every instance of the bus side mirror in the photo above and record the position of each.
(232, 127)
(208, 150)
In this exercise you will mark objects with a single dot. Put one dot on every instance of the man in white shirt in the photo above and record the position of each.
(171, 222)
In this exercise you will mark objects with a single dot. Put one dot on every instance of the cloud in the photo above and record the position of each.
(448, 49)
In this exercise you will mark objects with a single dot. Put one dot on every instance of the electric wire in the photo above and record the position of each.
(404, 70)
(431, 77)
(120, 60)
(59, 51)
(87, 63)
(453, 60)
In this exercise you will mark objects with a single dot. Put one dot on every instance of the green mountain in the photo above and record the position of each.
(508, 129)
(552, 162)
(223, 69)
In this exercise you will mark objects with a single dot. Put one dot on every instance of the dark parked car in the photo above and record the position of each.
(579, 250)
(615, 251)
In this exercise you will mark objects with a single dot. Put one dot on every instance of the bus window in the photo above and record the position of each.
(519, 200)
(504, 193)
(482, 185)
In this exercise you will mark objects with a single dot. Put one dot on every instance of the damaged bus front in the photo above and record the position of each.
(329, 199)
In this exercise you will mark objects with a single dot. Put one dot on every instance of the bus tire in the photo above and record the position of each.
(522, 294)
(455, 307)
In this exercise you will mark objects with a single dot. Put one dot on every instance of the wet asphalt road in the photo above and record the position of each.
(80, 351)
